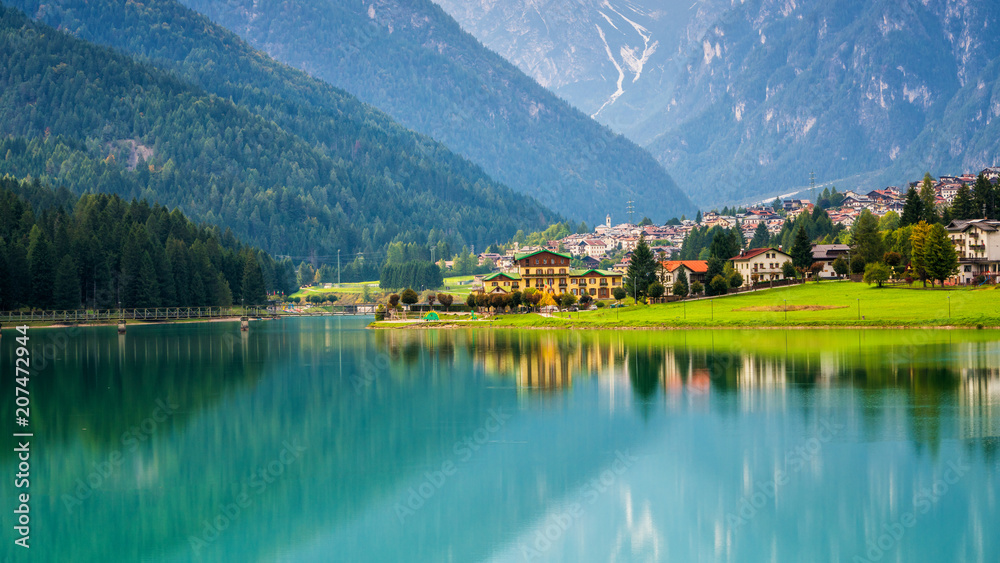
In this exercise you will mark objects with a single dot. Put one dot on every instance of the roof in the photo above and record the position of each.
(754, 252)
(961, 225)
(594, 271)
(696, 266)
(595, 242)
(529, 255)
(508, 275)
(824, 251)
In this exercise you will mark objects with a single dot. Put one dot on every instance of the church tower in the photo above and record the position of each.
(607, 221)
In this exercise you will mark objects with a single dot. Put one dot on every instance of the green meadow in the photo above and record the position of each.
(824, 304)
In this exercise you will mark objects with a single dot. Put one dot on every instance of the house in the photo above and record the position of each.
(590, 262)
(827, 253)
(594, 247)
(760, 264)
(489, 257)
(695, 271)
(502, 282)
(596, 283)
(977, 243)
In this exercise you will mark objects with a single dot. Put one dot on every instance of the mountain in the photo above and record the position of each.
(415, 62)
(203, 122)
(618, 61)
(860, 92)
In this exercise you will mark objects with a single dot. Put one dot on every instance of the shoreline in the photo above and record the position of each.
(492, 326)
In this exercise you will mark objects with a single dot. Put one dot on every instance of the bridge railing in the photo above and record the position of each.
(138, 314)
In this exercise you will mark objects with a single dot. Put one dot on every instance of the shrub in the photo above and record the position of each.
(877, 273)
(719, 285)
(409, 297)
(601, 304)
(655, 290)
(619, 293)
(696, 287)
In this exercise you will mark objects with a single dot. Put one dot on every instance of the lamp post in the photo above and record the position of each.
(786, 309)
(338, 267)
(859, 308)
(712, 303)
(949, 306)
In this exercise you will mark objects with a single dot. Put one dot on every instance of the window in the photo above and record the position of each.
(592, 280)
(562, 271)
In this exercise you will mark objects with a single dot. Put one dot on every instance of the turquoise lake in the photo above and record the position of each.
(321, 440)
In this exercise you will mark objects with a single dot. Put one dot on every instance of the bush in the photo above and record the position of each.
(857, 265)
(680, 289)
(655, 290)
(696, 287)
(601, 304)
(567, 299)
(877, 273)
(719, 285)
(788, 270)
(619, 293)
(585, 299)
(409, 297)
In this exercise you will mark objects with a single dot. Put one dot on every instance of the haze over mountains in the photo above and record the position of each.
(413, 61)
(744, 99)
(200, 120)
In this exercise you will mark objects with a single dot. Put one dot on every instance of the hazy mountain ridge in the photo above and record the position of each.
(874, 92)
(287, 161)
(413, 61)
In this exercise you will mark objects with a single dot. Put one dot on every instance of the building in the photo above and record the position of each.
(695, 271)
(545, 270)
(977, 243)
(502, 282)
(594, 247)
(760, 264)
(827, 253)
(597, 283)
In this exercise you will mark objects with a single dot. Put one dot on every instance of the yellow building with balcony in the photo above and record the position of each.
(545, 270)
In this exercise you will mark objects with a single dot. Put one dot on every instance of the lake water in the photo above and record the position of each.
(320, 440)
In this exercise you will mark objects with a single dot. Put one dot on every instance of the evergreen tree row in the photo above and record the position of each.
(416, 274)
(202, 122)
(58, 251)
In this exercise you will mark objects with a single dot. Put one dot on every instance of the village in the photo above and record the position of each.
(595, 263)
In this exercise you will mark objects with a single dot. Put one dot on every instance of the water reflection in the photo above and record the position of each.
(703, 421)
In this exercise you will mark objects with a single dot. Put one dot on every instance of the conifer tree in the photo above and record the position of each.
(928, 199)
(641, 269)
(761, 238)
(964, 204)
(942, 258)
(66, 291)
(253, 291)
(802, 249)
(913, 208)
(41, 268)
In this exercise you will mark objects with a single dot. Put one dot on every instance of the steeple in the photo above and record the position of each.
(607, 221)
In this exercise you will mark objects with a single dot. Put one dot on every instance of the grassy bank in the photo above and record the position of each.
(826, 304)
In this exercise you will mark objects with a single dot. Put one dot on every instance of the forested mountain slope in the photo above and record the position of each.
(413, 61)
(289, 163)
